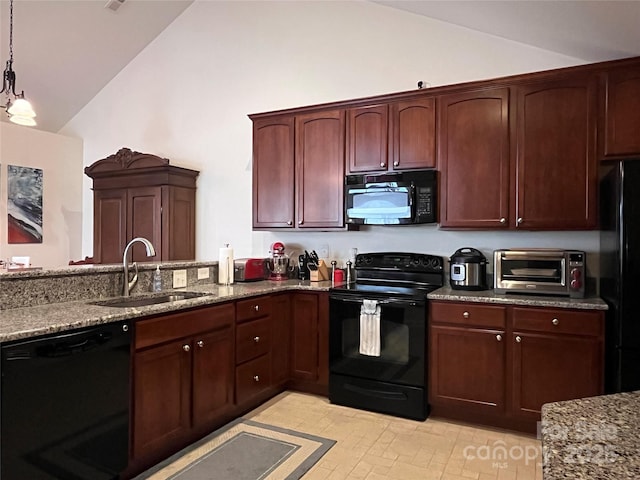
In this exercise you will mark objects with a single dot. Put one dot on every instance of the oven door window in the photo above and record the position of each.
(533, 270)
(402, 342)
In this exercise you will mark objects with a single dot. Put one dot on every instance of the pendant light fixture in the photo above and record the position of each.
(19, 110)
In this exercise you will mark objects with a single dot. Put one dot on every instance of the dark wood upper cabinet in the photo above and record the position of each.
(474, 158)
(298, 171)
(413, 138)
(273, 172)
(141, 195)
(319, 169)
(367, 138)
(621, 130)
(394, 136)
(556, 163)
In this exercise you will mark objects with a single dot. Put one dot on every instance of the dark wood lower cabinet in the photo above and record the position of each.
(471, 367)
(500, 366)
(310, 342)
(182, 380)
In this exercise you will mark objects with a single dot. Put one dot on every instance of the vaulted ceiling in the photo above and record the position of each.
(55, 40)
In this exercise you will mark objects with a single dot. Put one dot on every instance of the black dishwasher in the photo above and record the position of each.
(64, 408)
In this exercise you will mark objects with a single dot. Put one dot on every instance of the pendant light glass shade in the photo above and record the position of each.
(23, 120)
(21, 107)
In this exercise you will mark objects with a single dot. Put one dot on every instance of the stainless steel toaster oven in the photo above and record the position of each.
(540, 271)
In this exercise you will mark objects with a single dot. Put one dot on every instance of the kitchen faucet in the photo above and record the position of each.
(151, 252)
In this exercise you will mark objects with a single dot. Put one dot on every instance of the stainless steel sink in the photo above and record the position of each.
(145, 300)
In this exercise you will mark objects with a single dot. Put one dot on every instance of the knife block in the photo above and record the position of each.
(320, 274)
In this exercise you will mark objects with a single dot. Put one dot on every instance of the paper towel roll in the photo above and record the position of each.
(225, 266)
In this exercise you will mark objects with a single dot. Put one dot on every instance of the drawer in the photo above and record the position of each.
(468, 314)
(252, 377)
(253, 339)
(169, 327)
(559, 320)
(253, 308)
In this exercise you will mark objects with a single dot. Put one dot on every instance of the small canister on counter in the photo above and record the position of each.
(338, 276)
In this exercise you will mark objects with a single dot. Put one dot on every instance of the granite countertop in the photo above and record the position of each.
(592, 438)
(19, 323)
(489, 296)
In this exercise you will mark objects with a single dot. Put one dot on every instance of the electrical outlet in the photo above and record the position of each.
(203, 273)
(179, 278)
(323, 251)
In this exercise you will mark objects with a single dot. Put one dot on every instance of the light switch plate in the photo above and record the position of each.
(203, 273)
(179, 278)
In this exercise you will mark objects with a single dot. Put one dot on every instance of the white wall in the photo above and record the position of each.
(187, 95)
(60, 158)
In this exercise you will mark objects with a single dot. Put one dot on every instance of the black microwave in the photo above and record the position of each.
(397, 198)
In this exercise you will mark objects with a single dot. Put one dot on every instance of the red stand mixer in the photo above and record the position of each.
(278, 263)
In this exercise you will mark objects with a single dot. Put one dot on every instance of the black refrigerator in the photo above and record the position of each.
(620, 272)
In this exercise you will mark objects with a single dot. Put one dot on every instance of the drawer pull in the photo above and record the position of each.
(256, 378)
(555, 321)
(499, 337)
(186, 348)
(518, 338)
(256, 339)
(256, 307)
(465, 314)
(200, 343)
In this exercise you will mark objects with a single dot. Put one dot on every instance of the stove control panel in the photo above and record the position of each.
(408, 262)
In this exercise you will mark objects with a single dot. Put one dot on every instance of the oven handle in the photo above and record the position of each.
(350, 299)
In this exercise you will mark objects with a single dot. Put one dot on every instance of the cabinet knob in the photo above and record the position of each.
(186, 348)
(299, 222)
(256, 378)
(518, 338)
(519, 220)
(290, 222)
(125, 328)
(382, 164)
(499, 337)
(503, 220)
(256, 339)
(256, 307)
(396, 163)
(200, 343)
(465, 314)
(555, 321)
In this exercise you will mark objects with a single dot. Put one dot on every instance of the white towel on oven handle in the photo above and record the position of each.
(370, 328)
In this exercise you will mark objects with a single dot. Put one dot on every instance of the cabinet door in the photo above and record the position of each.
(473, 158)
(556, 177)
(413, 134)
(178, 223)
(467, 368)
(550, 368)
(622, 113)
(281, 327)
(109, 225)
(367, 138)
(144, 219)
(323, 340)
(161, 405)
(320, 169)
(304, 336)
(273, 172)
(213, 367)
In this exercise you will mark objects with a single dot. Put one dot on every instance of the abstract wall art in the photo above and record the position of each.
(24, 204)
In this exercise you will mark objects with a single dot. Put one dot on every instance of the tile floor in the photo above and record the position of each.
(372, 446)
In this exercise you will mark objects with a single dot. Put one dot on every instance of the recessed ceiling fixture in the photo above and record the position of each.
(19, 110)
(114, 5)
